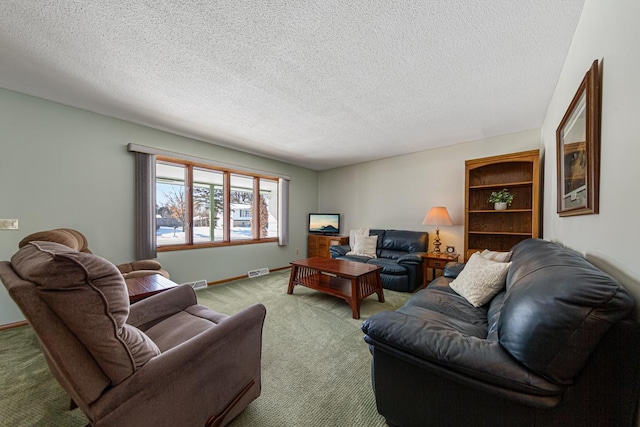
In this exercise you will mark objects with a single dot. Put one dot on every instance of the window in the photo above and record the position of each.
(208, 205)
(170, 204)
(201, 206)
(241, 202)
(268, 208)
(184, 202)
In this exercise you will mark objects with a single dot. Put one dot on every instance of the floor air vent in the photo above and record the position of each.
(200, 284)
(258, 272)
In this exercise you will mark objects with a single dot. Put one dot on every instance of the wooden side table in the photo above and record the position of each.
(435, 262)
(144, 286)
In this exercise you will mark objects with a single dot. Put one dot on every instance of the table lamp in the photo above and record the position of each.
(437, 216)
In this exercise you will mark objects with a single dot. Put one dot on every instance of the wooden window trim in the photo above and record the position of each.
(227, 172)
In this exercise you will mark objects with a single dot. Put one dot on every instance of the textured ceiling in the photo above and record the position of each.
(318, 83)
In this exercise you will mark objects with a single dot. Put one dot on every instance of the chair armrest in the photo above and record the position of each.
(147, 264)
(141, 273)
(411, 258)
(149, 311)
(339, 250)
(452, 269)
(142, 268)
(200, 376)
(477, 362)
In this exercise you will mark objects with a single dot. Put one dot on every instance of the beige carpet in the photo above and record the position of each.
(315, 364)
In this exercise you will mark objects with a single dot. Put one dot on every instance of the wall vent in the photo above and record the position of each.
(199, 284)
(258, 272)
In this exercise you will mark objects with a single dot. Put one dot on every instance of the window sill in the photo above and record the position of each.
(170, 248)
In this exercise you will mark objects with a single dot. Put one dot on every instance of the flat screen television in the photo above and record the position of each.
(324, 223)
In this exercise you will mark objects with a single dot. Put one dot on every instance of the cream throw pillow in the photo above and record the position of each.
(480, 280)
(496, 256)
(364, 246)
(356, 232)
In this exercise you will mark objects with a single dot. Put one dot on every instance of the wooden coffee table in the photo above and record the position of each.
(144, 286)
(351, 281)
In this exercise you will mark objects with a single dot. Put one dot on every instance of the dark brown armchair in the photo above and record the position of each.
(163, 361)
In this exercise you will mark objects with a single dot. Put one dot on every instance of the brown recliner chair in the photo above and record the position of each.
(163, 361)
(76, 240)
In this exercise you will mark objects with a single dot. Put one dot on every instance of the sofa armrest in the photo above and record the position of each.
(200, 376)
(412, 258)
(339, 250)
(477, 362)
(149, 311)
(453, 269)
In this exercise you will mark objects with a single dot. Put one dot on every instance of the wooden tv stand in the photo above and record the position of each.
(319, 244)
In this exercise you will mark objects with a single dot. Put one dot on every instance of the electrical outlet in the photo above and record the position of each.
(8, 224)
(297, 251)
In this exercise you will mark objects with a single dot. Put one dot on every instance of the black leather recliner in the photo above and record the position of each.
(559, 346)
(399, 253)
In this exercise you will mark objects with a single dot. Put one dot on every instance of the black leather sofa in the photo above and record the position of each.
(399, 253)
(560, 346)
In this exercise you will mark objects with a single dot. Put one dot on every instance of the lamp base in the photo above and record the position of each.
(436, 243)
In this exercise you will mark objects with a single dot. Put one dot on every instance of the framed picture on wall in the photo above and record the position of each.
(578, 149)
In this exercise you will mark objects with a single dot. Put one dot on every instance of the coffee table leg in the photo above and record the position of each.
(356, 297)
(379, 291)
(354, 302)
(292, 279)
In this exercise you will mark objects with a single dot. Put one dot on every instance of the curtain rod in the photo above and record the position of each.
(136, 148)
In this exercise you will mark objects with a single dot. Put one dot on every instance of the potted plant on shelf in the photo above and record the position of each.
(500, 199)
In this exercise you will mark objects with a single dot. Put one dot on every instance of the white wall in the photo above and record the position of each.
(397, 192)
(65, 167)
(608, 31)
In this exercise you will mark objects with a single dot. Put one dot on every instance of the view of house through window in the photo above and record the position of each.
(191, 211)
(208, 206)
(241, 206)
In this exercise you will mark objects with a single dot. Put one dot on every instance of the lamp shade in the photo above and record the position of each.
(437, 215)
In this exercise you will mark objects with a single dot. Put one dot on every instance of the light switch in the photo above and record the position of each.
(8, 224)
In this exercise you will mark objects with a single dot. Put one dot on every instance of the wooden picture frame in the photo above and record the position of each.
(578, 149)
